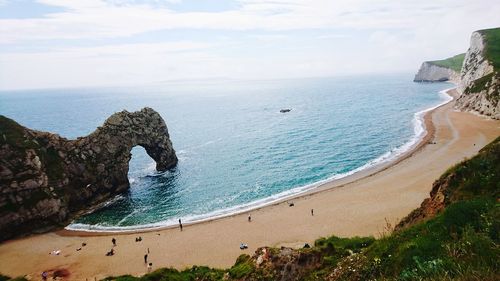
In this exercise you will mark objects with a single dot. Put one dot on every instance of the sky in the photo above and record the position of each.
(89, 43)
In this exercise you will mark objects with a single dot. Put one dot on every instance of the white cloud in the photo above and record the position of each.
(100, 19)
(346, 36)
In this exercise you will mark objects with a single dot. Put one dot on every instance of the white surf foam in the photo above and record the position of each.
(419, 133)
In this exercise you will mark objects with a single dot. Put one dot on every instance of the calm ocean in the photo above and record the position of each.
(235, 148)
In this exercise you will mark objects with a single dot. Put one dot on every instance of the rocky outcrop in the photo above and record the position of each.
(46, 180)
(285, 264)
(429, 207)
(430, 72)
(480, 81)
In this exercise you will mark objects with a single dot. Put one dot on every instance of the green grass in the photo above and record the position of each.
(460, 241)
(478, 176)
(454, 63)
(479, 84)
(170, 274)
(242, 267)
(492, 54)
(492, 46)
(12, 134)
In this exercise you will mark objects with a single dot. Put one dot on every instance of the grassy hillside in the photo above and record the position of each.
(493, 46)
(455, 62)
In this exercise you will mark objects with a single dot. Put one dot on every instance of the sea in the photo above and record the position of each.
(236, 150)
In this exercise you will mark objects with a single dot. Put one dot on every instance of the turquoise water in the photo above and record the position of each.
(235, 148)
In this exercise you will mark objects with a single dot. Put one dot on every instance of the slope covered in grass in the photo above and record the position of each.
(492, 53)
(454, 63)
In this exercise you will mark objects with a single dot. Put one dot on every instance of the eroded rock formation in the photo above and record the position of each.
(479, 81)
(46, 180)
(429, 72)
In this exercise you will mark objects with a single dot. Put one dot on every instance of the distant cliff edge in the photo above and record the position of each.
(47, 180)
(478, 78)
(440, 70)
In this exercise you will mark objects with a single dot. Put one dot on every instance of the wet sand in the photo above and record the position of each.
(357, 205)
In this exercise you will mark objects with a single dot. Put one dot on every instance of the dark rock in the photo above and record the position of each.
(46, 180)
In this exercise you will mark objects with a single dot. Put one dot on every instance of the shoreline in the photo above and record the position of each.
(422, 118)
(358, 208)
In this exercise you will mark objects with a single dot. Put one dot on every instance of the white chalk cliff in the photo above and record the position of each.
(429, 72)
(479, 84)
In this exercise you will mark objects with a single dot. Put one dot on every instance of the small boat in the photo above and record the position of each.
(285, 110)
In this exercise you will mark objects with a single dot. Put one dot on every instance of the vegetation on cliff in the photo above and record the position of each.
(489, 82)
(454, 235)
(492, 53)
(454, 63)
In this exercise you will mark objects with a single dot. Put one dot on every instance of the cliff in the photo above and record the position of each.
(440, 70)
(476, 73)
(47, 180)
(480, 76)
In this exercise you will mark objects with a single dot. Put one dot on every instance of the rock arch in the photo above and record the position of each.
(47, 180)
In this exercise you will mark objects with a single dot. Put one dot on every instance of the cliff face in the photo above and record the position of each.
(430, 72)
(480, 81)
(46, 180)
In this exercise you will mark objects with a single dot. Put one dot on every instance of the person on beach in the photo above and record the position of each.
(113, 241)
(180, 224)
(249, 218)
(146, 258)
(44, 275)
(150, 267)
(312, 212)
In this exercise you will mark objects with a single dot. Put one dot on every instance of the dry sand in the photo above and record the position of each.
(358, 205)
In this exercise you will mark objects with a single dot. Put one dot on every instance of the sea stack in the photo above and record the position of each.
(46, 180)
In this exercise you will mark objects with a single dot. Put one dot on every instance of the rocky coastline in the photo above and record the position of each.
(47, 180)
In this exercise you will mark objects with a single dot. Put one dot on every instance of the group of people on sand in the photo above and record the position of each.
(149, 265)
(137, 239)
(112, 251)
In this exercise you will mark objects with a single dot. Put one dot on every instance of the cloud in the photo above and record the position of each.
(252, 39)
(87, 19)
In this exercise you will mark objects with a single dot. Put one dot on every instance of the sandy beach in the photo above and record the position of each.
(357, 205)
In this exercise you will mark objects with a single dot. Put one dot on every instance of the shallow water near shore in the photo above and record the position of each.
(235, 148)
